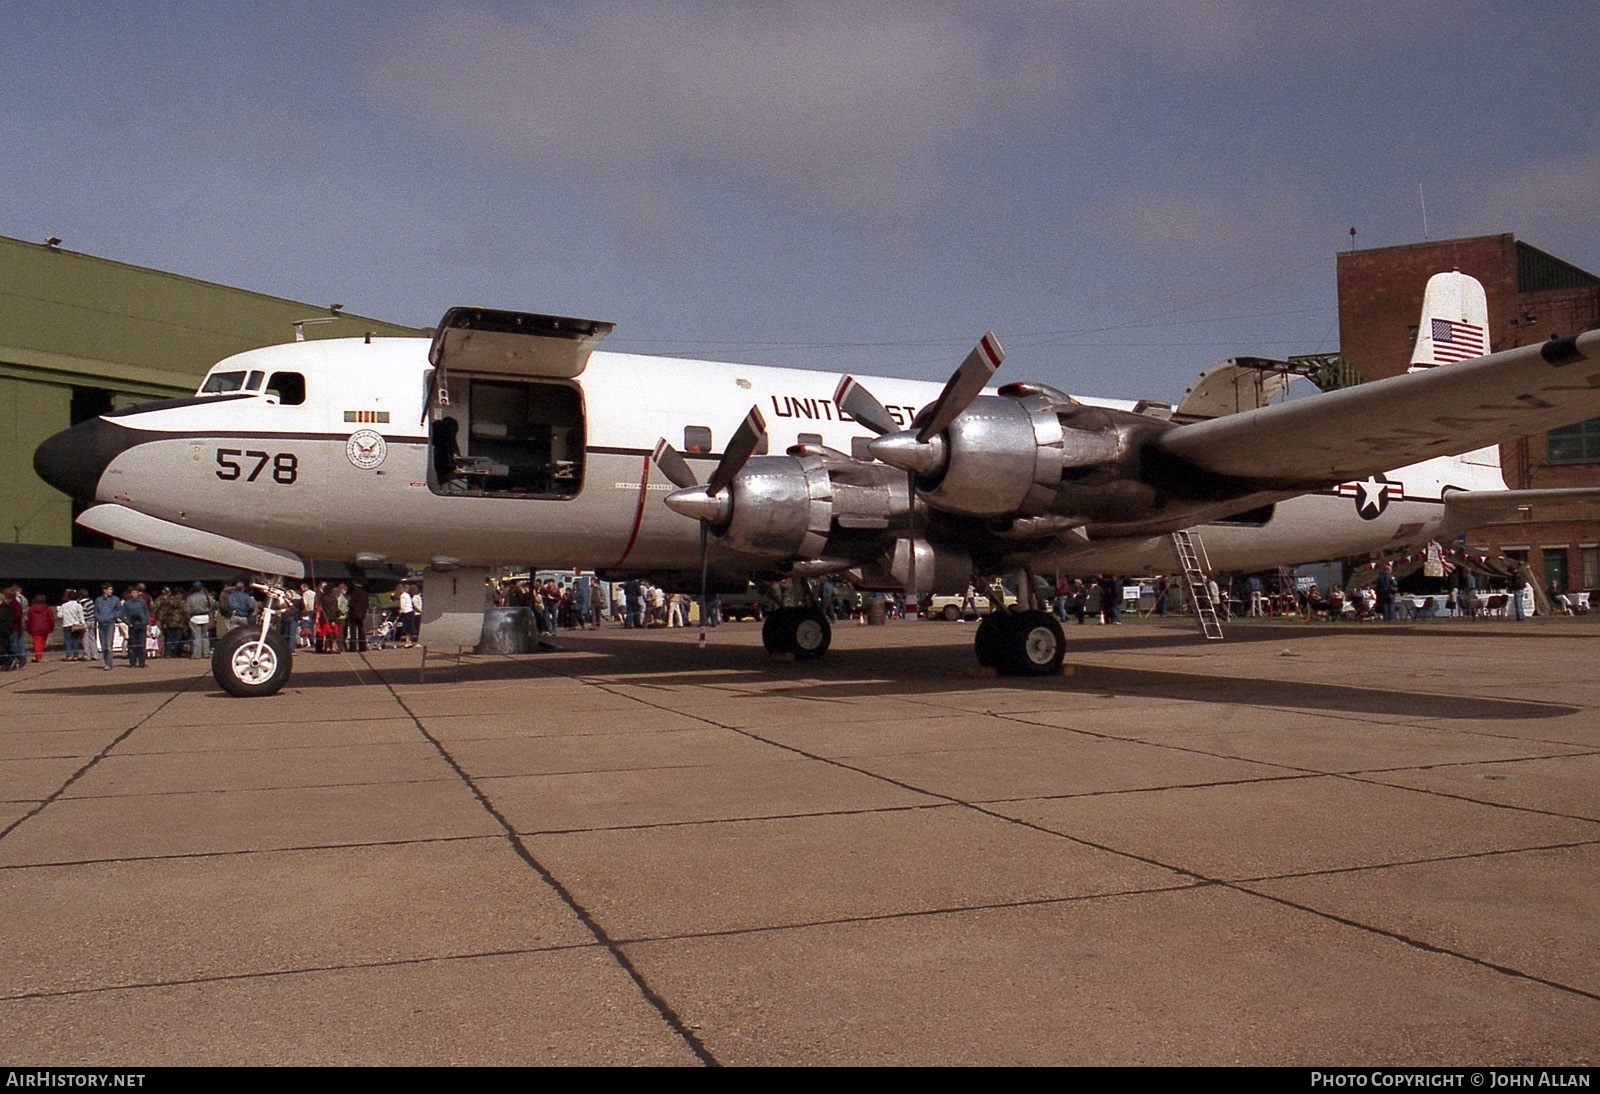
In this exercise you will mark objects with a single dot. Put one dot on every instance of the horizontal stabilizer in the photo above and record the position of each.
(131, 526)
(1507, 501)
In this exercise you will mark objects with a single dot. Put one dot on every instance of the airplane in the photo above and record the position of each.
(509, 438)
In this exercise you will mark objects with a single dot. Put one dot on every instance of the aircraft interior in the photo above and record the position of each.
(508, 438)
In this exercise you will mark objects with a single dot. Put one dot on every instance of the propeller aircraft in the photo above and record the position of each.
(509, 439)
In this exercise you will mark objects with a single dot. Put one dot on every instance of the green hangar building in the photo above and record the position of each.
(81, 335)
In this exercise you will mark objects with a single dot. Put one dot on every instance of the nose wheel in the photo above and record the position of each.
(247, 664)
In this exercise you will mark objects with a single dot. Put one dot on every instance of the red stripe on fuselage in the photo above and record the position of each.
(638, 514)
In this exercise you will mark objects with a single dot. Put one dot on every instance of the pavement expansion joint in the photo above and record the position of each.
(662, 1007)
(1508, 806)
(235, 852)
(1425, 947)
(304, 970)
(919, 913)
(93, 762)
(222, 790)
(1429, 860)
(765, 818)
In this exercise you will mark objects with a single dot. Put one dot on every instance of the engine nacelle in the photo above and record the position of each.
(778, 507)
(787, 507)
(1006, 456)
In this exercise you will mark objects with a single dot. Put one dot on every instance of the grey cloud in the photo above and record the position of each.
(859, 109)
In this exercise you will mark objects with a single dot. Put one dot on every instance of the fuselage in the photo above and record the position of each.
(323, 449)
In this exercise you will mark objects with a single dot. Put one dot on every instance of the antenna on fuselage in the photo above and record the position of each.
(301, 324)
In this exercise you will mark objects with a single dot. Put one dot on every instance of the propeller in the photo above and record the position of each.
(923, 451)
(860, 404)
(963, 386)
(702, 502)
(741, 446)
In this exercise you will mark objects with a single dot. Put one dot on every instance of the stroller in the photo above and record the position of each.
(387, 632)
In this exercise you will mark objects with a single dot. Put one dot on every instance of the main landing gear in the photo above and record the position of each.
(803, 632)
(250, 662)
(1028, 643)
(1024, 642)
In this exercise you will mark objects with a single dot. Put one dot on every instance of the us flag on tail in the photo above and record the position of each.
(1455, 341)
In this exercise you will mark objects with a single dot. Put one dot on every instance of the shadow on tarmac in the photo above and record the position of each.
(744, 671)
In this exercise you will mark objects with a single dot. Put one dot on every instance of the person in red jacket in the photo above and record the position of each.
(41, 625)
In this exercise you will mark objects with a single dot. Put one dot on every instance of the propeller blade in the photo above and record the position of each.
(741, 446)
(674, 466)
(963, 386)
(860, 404)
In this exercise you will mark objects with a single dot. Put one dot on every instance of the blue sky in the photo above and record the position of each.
(1125, 192)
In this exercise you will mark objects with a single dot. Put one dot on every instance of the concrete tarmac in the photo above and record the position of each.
(1308, 844)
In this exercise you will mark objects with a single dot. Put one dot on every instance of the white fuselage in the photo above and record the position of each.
(298, 478)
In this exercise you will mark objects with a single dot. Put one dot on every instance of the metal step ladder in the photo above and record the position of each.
(1191, 557)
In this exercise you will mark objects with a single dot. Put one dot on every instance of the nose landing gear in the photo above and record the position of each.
(250, 662)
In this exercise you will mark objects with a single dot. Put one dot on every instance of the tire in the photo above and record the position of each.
(247, 667)
(1033, 645)
(803, 632)
(810, 635)
(989, 643)
(951, 613)
(775, 631)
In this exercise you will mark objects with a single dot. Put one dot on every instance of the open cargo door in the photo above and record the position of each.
(485, 341)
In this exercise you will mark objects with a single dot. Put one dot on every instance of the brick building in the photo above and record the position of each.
(1532, 296)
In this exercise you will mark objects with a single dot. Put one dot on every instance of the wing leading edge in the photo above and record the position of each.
(1358, 431)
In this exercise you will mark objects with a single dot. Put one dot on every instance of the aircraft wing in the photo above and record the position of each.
(1358, 431)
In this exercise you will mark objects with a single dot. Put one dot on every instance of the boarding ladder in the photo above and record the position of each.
(1191, 556)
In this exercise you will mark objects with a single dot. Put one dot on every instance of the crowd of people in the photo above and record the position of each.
(338, 616)
(98, 627)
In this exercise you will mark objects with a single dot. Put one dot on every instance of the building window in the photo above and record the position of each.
(1591, 567)
(1574, 443)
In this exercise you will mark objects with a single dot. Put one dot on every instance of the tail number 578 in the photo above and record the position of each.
(234, 464)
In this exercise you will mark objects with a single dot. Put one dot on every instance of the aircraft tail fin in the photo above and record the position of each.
(1454, 324)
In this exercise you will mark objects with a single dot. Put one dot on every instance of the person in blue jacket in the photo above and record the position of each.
(107, 610)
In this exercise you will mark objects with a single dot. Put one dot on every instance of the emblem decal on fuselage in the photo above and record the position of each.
(366, 448)
(1372, 494)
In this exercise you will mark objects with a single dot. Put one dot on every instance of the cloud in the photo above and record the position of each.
(853, 109)
(1193, 225)
(1247, 33)
(1557, 197)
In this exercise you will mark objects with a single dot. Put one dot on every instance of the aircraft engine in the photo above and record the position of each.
(775, 507)
(1006, 456)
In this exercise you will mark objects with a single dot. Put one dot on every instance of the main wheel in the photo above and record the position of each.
(247, 666)
(988, 644)
(811, 635)
(775, 631)
(1033, 645)
(803, 632)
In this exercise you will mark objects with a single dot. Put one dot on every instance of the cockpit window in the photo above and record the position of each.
(289, 387)
(254, 383)
(219, 382)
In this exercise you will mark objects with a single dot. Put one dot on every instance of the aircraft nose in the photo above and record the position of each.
(73, 460)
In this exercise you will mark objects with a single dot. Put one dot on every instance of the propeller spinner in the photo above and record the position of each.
(922, 450)
(709, 504)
